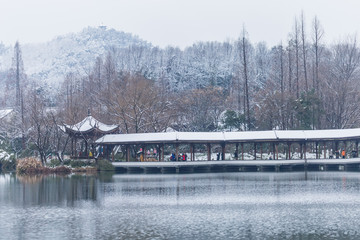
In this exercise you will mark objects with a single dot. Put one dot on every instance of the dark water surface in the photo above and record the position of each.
(314, 205)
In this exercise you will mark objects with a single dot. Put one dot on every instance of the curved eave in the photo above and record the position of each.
(90, 131)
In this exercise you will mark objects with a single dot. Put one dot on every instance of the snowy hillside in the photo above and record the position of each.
(75, 52)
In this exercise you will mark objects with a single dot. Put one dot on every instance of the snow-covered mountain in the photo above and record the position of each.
(75, 52)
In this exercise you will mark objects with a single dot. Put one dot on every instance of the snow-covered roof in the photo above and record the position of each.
(232, 137)
(89, 124)
(318, 135)
(253, 135)
(5, 112)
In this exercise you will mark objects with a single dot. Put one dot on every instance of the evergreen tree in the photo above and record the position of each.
(18, 73)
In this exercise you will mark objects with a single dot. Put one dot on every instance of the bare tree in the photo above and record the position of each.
(200, 109)
(18, 69)
(304, 50)
(297, 47)
(59, 139)
(317, 36)
(41, 127)
(290, 66)
(138, 106)
(342, 93)
(244, 62)
(18, 75)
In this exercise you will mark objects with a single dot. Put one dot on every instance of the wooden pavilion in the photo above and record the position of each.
(85, 133)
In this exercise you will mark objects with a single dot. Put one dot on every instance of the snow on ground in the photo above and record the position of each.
(4, 155)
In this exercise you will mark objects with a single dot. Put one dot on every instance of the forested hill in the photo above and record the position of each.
(74, 52)
(302, 83)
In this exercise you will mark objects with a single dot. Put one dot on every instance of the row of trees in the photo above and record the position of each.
(301, 84)
(33, 126)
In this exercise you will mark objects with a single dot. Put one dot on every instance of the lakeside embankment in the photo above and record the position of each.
(352, 164)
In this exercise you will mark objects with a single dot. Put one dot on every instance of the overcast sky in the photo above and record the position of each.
(176, 22)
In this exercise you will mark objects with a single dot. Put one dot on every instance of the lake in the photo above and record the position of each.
(295, 205)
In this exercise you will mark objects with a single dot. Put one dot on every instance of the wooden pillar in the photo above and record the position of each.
(191, 152)
(345, 147)
(277, 151)
(86, 149)
(289, 150)
(237, 151)
(242, 151)
(72, 147)
(325, 150)
(144, 153)
(255, 150)
(357, 148)
(223, 151)
(82, 148)
(113, 154)
(301, 151)
(337, 146)
(261, 151)
(161, 152)
(208, 151)
(76, 153)
(273, 146)
(305, 150)
(316, 150)
(158, 151)
(177, 151)
(128, 153)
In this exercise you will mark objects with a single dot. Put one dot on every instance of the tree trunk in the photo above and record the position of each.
(247, 101)
(303, 41)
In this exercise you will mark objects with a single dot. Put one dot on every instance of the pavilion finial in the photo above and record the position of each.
(89, 112)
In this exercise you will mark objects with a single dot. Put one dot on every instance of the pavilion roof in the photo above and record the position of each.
(88, 125)
(232, 137)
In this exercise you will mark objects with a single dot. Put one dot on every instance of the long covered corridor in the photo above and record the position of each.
(251, 145)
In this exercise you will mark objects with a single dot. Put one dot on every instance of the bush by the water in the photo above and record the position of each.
(79, 163)
(28, 165)
(54, 163)
(105, 165)
(33, 166)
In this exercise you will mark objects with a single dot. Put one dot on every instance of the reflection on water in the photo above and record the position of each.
(51, 190)
(195, 206)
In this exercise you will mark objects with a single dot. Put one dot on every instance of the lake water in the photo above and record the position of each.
(298, 205)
